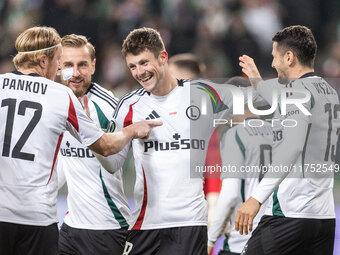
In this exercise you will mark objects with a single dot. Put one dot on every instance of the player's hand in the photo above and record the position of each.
(210, 248)
(85, 102)
(142, 129)
(246, 214)
(249, 68)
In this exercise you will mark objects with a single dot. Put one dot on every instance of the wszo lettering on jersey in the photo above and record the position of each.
(181, 144)
(77, 152)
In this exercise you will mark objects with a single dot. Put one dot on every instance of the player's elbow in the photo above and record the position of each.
(105, 153)
(110, 170)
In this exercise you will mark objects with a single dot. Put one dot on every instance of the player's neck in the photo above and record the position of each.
(168, 84)
(299, 71)
(35, 70)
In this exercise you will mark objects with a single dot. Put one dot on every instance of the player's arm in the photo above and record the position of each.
(111, 143)
(231, 155)
(86, 131)
(114, 162)
(226, 203)
(263, 89)
(284, 155)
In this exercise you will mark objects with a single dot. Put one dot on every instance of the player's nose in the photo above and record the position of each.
(76, 72)
(140, 71)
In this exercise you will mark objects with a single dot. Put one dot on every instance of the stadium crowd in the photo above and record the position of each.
(216, 31)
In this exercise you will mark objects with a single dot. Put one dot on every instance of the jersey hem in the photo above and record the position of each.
(31, 223)
(306, 216)
(174, 225)
(93, 227)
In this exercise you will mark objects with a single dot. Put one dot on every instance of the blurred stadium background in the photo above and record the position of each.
(217, 31)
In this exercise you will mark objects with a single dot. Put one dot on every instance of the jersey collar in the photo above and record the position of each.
(89, 88)
(30, 74)
(310, 74)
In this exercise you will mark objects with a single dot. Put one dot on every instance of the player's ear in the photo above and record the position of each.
(43, 61)
(290, 57)
(93, 64)
(163, 57)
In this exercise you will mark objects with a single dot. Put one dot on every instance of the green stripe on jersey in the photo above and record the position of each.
(226, 244)
(312, 100)
(116, 213)
(104, 122)
(240, 144)
(304, 150)
(276, 204)
(243, 182)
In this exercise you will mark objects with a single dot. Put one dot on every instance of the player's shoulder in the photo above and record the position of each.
(200, 82)
(100, 95)
(230, 134)
(31, 79)
(130, 98)
(306, 81)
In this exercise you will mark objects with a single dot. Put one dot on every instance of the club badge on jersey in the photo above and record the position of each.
(111, 127)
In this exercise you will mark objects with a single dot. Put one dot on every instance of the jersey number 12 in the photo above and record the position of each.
(23, 105)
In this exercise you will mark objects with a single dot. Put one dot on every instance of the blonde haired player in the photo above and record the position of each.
(36, 112)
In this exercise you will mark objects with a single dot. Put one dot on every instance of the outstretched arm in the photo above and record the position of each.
(284, 155)
(226, 203)
(111, 143)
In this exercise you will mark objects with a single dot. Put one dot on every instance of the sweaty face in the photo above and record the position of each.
(147, 69)
(83, 68)
(279, 64)
(54, 65)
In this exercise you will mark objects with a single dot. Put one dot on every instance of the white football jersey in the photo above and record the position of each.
(169, 190)
(244, 149)
(307, 149)
(95, 197)
(35, 113)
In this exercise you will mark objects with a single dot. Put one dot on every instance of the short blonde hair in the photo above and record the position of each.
(35, 38)
(78, 41)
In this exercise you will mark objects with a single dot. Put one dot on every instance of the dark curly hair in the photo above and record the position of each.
(141, 39)
(299, 40)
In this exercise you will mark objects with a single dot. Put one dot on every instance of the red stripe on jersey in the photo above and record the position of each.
(72, 116)
(55, 155)
(212, 180)
(140, 218)
(129, 115)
